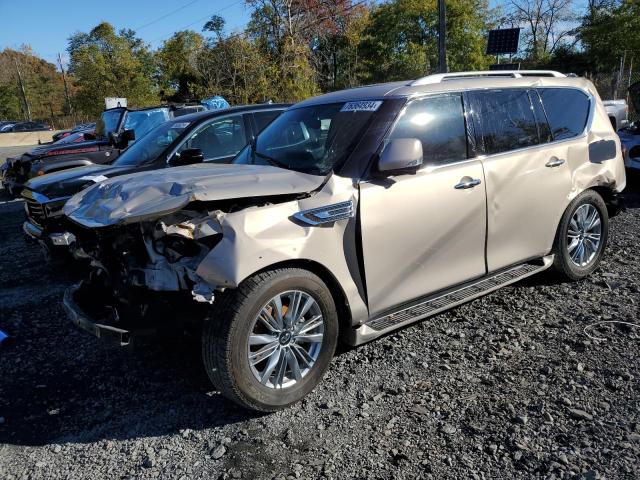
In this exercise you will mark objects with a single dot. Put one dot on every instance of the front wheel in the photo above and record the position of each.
(268, 343)
(582, 236)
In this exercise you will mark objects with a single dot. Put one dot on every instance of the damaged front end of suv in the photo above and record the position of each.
(160, 250)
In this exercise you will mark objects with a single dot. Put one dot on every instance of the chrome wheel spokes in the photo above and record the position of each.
(583, 235)
(286, 339)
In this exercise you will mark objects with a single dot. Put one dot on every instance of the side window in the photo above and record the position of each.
(438, 122)
(219, 138)
(506, 120)
(567, 110)
(265, 118)
(541, 118)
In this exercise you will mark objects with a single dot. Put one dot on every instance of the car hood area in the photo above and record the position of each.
(147, 195)
(69, 182)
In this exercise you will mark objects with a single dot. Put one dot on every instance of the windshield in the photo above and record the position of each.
(108, 122)
(314, 139)
(143, 121)
(149, 147)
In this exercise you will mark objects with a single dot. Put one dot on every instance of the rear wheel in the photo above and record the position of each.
(582, 236)
(268, 343)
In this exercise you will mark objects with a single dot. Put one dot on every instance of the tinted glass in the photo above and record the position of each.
(541, 119)
(314, 139)
(567, 110)
(506, 120)
(438, 122)
(218, 139)
(108, 122)
(265, 118)
(142, 121)
(148, 148)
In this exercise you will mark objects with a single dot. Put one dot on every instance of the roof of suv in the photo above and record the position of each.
(451, 82)
(190, 117)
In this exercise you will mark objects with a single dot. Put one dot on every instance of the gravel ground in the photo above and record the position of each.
(508, 386)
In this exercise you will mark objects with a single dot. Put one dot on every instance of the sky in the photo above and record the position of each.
(46, 25)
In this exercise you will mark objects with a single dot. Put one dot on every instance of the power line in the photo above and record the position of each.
(199, 20)
(166, 15)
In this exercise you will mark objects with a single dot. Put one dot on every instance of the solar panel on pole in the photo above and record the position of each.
(503, 41)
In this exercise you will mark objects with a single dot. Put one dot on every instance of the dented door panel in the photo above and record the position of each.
(421, 234)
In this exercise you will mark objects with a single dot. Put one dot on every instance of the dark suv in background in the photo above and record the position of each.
(211, 136)
(115, 130)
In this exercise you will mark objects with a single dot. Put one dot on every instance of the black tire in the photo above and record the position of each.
(562, 263)
(227, 327)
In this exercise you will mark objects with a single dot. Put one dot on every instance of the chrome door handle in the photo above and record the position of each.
(554, 162)
(467, 182)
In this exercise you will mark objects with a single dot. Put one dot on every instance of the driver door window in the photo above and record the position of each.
(219, 140)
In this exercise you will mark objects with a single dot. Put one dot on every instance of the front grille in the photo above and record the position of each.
(35, 212)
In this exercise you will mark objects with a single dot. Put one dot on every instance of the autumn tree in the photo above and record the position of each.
(43, 86)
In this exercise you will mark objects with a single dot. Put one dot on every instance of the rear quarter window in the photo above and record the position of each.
(567, 110)
(506, 120)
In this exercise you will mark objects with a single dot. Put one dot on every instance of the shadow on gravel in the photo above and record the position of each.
(60, 385)
(98, 392)
(631, 193)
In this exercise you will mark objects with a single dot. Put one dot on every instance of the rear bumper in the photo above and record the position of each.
(82, 320)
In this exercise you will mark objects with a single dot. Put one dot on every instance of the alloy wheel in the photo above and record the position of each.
(285, 339)
(584, 235)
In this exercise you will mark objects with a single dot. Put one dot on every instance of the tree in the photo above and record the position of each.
(279, 28)
(109, 64)
(179, 76)
(43, 85)
(547, 23)
(400, 41)
(235, 68)
(609, 34)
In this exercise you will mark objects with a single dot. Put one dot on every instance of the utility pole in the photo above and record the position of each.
(24, 94)
(442, 34)
(66, 90)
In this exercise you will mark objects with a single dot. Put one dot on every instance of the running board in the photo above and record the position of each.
(440, 302)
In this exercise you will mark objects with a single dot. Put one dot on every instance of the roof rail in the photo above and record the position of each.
(442, 77)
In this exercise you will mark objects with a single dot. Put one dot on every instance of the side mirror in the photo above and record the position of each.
(187, 157)
(127, 136)
(401, 154)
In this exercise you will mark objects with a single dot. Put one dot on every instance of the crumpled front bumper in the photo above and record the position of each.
(82, 320)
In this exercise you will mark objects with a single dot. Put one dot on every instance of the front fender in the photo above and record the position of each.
(258, 238)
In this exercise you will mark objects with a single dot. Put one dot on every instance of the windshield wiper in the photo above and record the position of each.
(272, 161)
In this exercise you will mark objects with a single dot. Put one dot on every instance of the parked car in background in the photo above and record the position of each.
(25, 127)
(117, 128)
(211, 136)
(618, 112)
(630, 136)
(357, 212)
(82, 127)
(6, 125)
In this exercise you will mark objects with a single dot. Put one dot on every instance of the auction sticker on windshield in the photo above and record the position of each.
(364, 106)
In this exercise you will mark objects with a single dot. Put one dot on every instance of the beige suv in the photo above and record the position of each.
(353, 214)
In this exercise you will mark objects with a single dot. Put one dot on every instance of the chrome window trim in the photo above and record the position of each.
(589, 124)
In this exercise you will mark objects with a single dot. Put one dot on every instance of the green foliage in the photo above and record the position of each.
(400, 41)
(107, 64)
(236, 69)
(177, 62)
(608, 33)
